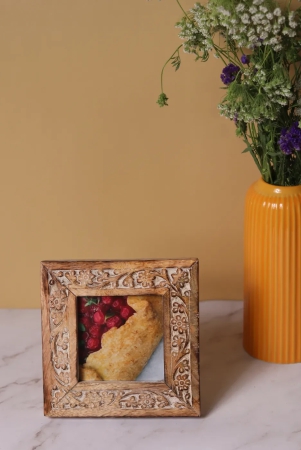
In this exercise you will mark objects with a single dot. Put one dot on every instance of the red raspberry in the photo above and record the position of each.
(85, 321)
(83, 335)
(126, 312)
(104, 308)
(118, 303)
(94, 308)
(82, 308)
(100, 307)
(107, 300)
(114, 321)
(93, 343)
(94, 331)
(99, 317)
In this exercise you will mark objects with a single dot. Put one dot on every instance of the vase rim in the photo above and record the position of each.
(267, 188)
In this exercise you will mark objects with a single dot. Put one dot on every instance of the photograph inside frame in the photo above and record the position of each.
(120, 338)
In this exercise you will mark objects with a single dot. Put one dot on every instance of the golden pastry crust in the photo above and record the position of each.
(155, 301)
(126, 350)
(88, 374)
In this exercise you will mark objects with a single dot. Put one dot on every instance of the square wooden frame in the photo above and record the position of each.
(177, 282)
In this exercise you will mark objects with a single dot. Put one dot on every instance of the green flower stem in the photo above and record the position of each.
(298, 157)
(162, 71)
(268, 54)
(220, 51)
(236, 60)
(183, 10)
(254, 139)
(253, 153)
(220, 54)
(282, 170)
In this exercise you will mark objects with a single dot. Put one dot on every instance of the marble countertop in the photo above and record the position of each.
(246, 404)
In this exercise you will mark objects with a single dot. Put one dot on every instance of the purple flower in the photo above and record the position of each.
(235, 118)
(290, 139)
(245, 59)
(229, 73)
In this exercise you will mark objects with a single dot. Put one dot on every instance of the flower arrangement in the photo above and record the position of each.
(259, 44)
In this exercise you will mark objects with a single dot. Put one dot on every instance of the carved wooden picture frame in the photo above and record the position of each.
(177, 282)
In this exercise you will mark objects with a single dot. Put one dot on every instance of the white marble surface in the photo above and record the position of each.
(247, 404)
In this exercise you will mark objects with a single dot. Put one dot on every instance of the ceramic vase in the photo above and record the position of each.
(272, 273)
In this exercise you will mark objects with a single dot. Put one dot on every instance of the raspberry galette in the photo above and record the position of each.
(118, 335)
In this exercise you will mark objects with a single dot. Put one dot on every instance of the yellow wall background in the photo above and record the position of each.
(91, 167)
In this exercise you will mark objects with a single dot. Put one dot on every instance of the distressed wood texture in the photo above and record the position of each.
(177, 282)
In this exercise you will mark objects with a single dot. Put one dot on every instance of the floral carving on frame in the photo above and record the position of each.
(180, 396)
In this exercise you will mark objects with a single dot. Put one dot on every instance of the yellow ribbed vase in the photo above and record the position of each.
(272, 273)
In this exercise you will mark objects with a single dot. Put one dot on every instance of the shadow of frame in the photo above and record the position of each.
(223, 361)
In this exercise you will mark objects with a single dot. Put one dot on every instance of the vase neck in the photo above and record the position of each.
(270, 189)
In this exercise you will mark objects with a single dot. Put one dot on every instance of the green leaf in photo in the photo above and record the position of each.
(91, 301)
(108, 315)
(82, 327)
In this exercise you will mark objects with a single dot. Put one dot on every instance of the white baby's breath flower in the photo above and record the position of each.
(224, 11)
(263, 9)
(289, 32)
(282, 102)
(292, 33)
(253, 38)
(256, 19)
(240, 7)
(287, 93)
(245, 18)
(269, 16)
(264, 35)
(291, 18)
(273, 41)
(277, 12)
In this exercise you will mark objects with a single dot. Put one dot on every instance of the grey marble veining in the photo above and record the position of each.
(247, 404)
